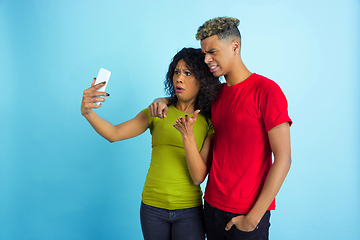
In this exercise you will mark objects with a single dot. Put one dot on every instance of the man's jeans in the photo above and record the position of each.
(216, 220)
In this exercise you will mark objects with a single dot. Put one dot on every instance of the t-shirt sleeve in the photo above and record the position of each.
(146, 111)
(273, 106)
(211, 129)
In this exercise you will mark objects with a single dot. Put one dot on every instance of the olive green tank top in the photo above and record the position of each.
(168, 183)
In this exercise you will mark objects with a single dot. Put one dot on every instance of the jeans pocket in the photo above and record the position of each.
(245, 235)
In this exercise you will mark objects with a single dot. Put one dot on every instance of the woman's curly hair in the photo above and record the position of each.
(209, 85)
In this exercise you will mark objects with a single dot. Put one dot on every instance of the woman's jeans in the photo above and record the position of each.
(163, 224)
(216, 220)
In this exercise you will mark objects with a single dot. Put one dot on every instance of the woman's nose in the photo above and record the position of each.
(180, 78)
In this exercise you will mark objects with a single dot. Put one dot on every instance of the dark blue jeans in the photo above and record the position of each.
(216, 220)
(163, 224)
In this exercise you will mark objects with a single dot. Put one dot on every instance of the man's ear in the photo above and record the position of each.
(235, 44)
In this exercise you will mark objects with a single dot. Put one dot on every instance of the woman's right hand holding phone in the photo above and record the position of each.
(91, 96)
(107, 130)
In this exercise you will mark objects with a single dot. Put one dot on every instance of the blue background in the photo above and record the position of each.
(60, 180)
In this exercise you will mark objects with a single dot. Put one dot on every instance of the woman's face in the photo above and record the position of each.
(185, 84)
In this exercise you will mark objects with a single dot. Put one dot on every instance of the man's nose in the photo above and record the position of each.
(207, 58)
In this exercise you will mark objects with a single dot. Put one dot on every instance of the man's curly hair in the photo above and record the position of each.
(209, 85)
(223, 27)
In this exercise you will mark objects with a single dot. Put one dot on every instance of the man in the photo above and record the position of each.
(251, 122)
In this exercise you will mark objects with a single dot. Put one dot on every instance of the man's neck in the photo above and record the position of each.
(238, 74)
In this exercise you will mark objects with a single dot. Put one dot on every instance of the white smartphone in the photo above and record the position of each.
(103, 76)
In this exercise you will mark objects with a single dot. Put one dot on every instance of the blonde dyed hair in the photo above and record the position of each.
(223, 27)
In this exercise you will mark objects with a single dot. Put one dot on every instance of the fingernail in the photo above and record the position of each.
(107, 94)
(103, 82)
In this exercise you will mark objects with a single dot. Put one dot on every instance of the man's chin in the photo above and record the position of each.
(217, 74)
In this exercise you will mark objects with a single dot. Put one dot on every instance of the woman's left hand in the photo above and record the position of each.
(185, 124)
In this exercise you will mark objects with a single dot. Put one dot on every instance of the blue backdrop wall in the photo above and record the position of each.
(60, 180)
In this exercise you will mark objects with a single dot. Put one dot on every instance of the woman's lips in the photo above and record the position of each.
(179, 89)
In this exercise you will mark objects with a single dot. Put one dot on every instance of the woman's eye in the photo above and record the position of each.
(187, 73)
(176, 72)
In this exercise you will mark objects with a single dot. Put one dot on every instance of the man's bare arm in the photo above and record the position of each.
(279, 138)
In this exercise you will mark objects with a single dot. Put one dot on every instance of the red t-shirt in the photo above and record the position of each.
(242, 115)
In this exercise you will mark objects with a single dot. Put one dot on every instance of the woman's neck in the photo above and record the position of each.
(188, 107)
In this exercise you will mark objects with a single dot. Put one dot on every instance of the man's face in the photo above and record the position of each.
(218, 55)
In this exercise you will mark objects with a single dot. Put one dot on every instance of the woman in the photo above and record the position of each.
(171, 205)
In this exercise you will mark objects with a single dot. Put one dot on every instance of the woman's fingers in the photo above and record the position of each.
(93, 89)
(92, 105)
(94, 99)
(92, 96)
(93, 82)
